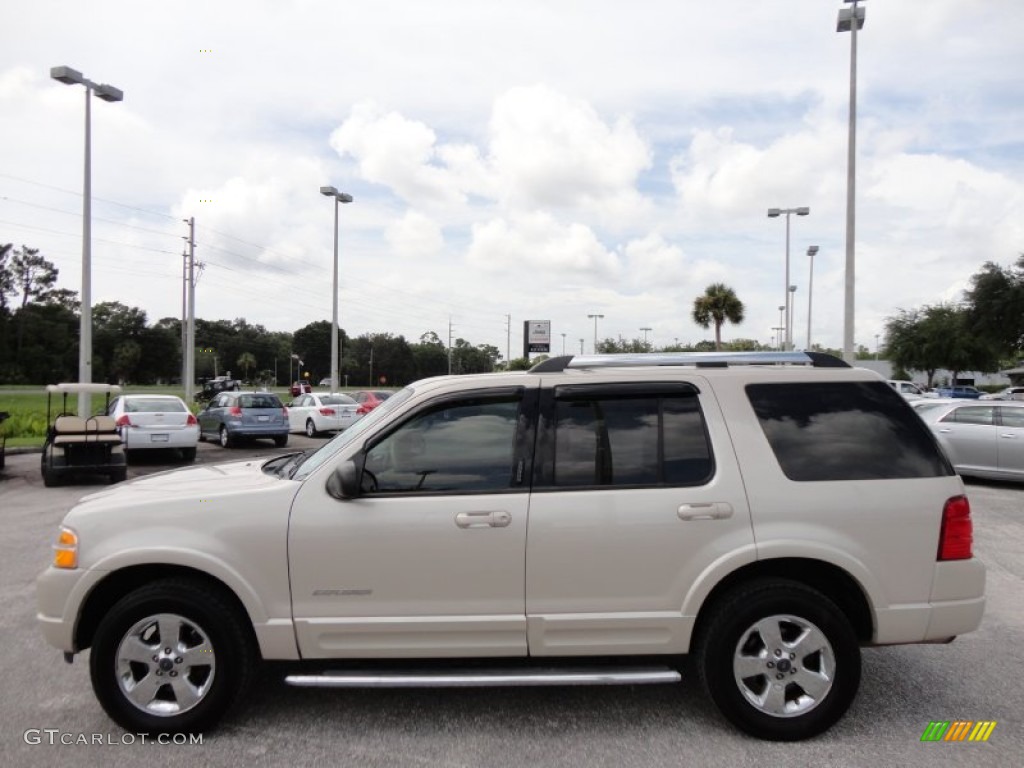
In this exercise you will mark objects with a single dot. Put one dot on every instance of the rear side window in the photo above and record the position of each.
(154, 405)
(845, 431)
(259, 401)
(972, 414)
(606, 438)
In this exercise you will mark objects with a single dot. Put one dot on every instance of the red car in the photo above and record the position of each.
(300, 388)
(369, 399)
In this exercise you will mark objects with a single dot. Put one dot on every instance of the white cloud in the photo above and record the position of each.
(415, 235)
(536, 241)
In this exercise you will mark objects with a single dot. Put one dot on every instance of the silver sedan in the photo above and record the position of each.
(316, 413)
(981, 439)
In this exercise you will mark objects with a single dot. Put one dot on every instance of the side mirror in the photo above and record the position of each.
(343, 484)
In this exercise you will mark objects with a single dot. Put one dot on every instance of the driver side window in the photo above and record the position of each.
(465, 446)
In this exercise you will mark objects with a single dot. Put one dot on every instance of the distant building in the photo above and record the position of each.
(1011, 377)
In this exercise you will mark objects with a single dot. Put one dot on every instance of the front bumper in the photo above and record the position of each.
(60, 593)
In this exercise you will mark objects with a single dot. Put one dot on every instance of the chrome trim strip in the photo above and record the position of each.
(474, 679)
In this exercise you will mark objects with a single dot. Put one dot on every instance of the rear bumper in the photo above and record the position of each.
(138, 439)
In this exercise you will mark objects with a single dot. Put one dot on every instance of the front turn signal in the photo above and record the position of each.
(65, 551)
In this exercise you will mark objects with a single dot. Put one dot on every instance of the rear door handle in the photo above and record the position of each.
(499, 519)
(712, 510)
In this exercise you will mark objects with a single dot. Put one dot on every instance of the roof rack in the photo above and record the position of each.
(696, 359)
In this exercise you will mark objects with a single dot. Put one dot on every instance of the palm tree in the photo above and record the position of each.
(246, 360)
(718, 305)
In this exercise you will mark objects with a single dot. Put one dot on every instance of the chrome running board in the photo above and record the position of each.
(486, 678)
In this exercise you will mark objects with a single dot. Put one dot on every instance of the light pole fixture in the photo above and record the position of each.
(70, 76)
(791, 319)
(811, 251)
(774, 213)
(782, 325)
(850, 20)
(339, 197)
(595, 318)
(645, 329)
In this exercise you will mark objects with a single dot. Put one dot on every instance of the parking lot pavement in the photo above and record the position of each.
(44, 700)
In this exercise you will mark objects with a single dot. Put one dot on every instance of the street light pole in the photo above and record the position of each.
(69, 76)
(563, 343)
(791, 320)
(774, 213)
(811, 250)
(850, 20)
(782, 326)
(645, 329)
(595, 318)
(581, 346)
(339, 197)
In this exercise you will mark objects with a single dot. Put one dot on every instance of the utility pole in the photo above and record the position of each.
(508, 340)
(184, 317)
(190, 334)
(449, 345)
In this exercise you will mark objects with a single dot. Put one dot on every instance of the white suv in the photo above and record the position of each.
(768, 513)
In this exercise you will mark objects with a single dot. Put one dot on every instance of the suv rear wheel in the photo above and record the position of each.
(779, 659)
(170, 657)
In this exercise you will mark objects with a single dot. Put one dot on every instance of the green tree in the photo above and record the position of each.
(995, 306)
(718, 305)
(245, 361)
(935, 337)
(33, 275)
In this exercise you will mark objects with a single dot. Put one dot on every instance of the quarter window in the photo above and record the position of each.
(972, 414)
(1012, 417)
(844, 431)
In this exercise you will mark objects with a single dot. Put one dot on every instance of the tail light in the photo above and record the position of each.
(123, 421)
(363, 409)
(191, 421)
(956, 539)
(326, 411)
(235, 410)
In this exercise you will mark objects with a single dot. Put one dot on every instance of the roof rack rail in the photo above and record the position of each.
(696, 359)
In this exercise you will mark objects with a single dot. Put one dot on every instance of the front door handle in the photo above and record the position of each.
(499, 519)
(712, 510)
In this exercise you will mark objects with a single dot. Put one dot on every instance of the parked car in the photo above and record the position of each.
(299, 388)
(981, 439)
(369, 399)
(234, 416)
(960, 391)
(146, 422)
(318, 413)
(216, 385)
(621, 508)
(924, 404)
(1010, 393)
(910, 390)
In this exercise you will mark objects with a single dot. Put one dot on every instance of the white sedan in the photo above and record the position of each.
(316, 413)
(155, 421)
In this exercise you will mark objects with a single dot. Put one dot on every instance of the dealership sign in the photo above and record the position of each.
(536, 336)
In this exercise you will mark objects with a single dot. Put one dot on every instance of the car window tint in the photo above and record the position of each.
(460, 446)
(972, 414)
(154, 405)
(629, 440)
(844, 431)
(259, 401)
(336, 400)
(1012, 417)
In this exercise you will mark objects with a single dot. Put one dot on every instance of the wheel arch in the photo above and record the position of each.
(119, 583)
(835, 583)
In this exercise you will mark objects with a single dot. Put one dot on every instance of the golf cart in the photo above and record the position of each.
(81, 445)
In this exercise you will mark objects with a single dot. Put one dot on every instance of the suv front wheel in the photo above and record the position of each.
(171, 657)
(779, 659)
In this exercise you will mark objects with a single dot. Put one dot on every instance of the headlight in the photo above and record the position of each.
(65, 551)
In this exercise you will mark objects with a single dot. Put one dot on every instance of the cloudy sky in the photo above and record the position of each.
(537, 160)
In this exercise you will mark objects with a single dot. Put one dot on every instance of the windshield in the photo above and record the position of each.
(352, 433)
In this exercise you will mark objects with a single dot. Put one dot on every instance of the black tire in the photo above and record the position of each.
(119, 475)
(50, 479)
(280, 440)
(226, 440)
(311, 430)
(188, 454)
(818, 659)
(212, 655)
